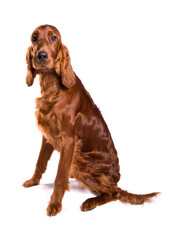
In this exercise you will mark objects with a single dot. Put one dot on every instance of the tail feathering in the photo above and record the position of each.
(135, 199)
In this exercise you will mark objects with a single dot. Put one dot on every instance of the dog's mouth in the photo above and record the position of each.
(46, 64)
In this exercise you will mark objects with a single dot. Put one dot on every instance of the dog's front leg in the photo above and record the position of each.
(62, 177)
(44, 156)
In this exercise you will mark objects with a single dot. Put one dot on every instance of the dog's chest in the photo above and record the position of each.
(48, 122)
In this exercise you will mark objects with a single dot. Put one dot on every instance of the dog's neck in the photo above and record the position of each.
(50, 84)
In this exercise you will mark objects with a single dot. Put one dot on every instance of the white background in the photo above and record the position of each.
(124, 53)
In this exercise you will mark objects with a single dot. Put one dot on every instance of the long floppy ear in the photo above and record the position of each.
(63, 67)
(31, 73)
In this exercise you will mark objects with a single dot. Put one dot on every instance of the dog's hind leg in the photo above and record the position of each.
(91, 203)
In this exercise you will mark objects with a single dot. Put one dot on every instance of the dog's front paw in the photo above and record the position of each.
(30, 183)
(54, 209)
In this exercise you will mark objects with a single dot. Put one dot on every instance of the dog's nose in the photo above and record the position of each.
(42, 56)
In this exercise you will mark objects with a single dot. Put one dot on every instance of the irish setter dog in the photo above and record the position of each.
(72, 124)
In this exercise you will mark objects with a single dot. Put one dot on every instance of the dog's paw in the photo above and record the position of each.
(88, 205)
(30, 183)
(54, 209)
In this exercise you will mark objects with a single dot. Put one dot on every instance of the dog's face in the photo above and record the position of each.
(46, 42)
(48, 54)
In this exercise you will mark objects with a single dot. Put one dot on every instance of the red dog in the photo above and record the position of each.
(72, 124)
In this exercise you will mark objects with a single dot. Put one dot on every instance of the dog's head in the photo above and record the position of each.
(47, 54)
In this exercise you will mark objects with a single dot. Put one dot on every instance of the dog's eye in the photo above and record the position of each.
(53, 38)
(34, 38)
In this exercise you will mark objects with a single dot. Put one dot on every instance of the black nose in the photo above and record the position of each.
(42, 56)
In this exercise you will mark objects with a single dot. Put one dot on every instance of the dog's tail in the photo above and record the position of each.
(135, 199)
